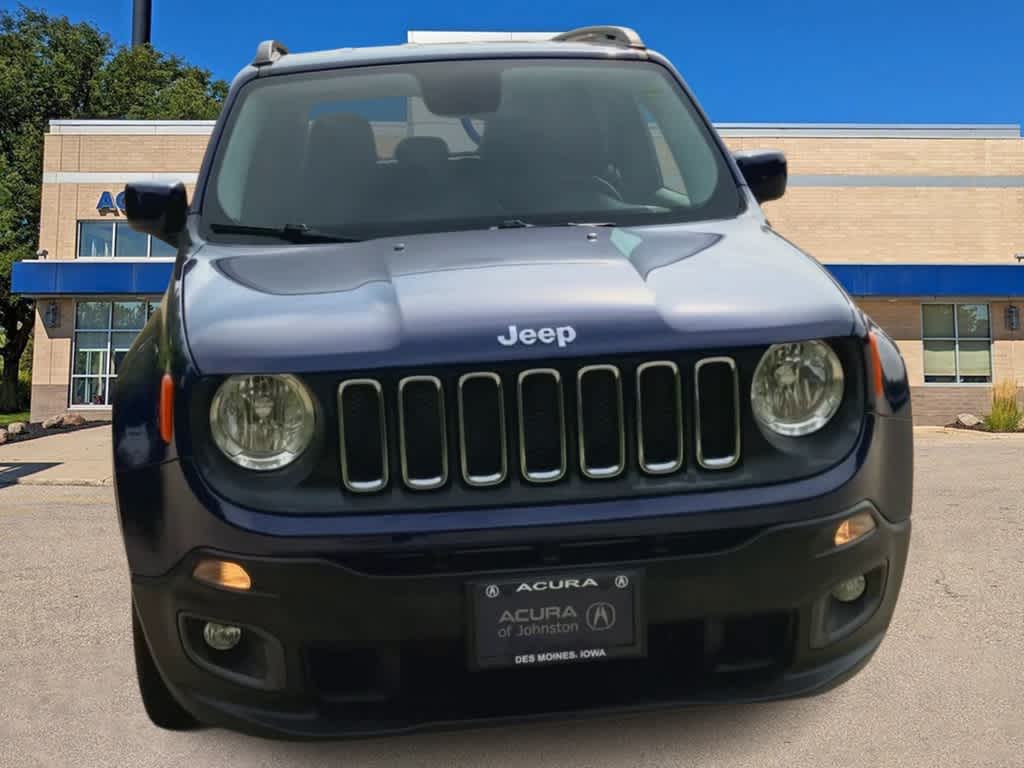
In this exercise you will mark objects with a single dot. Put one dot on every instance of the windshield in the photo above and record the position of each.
(448, 145)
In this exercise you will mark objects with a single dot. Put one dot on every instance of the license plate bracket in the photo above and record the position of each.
(537, 620)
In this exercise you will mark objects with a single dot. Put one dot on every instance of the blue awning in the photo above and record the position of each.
(84, 277)
(896, 280)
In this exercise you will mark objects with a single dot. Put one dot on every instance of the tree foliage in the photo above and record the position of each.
(52, 68)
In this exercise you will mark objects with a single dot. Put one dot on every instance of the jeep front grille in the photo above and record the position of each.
(422, 432)
(364, 444)
(659, 422)
(716, 388)
(624, 419)
(540, 402)
(601, 425)
(483, 445)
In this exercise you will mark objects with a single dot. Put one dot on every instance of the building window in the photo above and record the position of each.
(104, 332)
(106, 239)
(957, 343)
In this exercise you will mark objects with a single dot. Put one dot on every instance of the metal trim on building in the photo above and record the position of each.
(727, 130)
(870, 130)
(116, 177)
(904, 181)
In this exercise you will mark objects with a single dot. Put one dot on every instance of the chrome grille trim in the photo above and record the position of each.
(661, 467)
(613, 470)
(422, 483)
(719, 462)
(363, 486)
(482, 481)
(547, 476)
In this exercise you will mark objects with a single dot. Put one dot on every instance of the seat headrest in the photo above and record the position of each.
(342, 139)
(424, 152)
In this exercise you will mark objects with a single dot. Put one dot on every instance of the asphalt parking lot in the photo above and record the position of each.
(946, 688)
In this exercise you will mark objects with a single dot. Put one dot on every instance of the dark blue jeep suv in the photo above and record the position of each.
(483, 389)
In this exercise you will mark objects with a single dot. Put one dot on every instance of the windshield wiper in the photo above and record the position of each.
(292, 233)
(513, 224)
(590, 224)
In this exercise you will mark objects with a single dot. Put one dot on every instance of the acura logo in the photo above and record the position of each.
(600, 616)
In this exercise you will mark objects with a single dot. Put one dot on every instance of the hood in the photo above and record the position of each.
(455, 297)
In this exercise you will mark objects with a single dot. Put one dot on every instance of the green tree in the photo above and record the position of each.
(52, 68)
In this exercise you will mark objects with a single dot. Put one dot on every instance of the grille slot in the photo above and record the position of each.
(717, 392)
(482, 438)
(422, 432)
(659, 425)
(541, 425)
(602, 431)
(364, 450)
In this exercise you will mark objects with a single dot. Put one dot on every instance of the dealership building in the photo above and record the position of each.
(922, 225)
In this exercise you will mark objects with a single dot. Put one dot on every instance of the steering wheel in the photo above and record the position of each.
(605, 186)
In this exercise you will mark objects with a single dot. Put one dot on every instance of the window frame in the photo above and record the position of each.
(113, 243)
(108, 376)
(726, 201)
(956, 339)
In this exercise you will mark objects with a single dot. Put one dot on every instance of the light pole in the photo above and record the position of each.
(142, 22)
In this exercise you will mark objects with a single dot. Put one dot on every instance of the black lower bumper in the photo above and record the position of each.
(339, 646)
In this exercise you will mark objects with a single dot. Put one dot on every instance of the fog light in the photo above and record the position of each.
(221, 573)
(221, 637)
(853, 528)
(845, 591)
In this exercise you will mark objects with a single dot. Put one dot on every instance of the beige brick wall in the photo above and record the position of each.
(900, 224)
(903, 225)
(940, 403)
(128, 153)
(895, 156)
(63, 205)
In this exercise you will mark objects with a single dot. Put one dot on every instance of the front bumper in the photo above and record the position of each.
(352, 647)
(364, 620)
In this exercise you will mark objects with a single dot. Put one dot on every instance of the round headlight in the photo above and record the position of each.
(797, 388)
(262, 422)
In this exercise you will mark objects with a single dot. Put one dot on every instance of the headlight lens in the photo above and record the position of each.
(262, 422)
(797, 387)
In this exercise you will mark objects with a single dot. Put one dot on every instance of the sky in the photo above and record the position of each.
(824, 61)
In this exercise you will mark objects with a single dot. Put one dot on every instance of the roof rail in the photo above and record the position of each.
(268, 52)
(602, 34)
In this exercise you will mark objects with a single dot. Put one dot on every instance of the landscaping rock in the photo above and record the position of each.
(72, 420)
(53, 422)
(3, 436)
(967, 420)
(17, 429)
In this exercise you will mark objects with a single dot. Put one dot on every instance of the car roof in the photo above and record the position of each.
(410, 52)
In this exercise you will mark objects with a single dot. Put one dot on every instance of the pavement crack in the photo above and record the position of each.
(943, 582)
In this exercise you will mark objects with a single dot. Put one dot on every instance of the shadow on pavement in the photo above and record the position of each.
(613, 741)
(11, 472)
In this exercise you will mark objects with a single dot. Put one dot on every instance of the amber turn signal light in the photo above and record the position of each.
(853, 528)
(876, 365)
(221, 573)
(166, 408)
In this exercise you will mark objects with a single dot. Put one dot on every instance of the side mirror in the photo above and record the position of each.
(765, 172)
(157, 208)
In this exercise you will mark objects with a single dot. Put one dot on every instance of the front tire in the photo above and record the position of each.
(161, 706)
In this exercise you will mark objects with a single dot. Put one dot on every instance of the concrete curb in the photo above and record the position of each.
(108, 482)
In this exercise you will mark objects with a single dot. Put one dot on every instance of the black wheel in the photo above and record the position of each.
(160, 705)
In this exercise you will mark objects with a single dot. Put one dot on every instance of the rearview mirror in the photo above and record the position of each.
(764, 171)
(157, 208)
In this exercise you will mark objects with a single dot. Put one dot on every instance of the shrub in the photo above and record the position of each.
(24, 390)
(1006, 413)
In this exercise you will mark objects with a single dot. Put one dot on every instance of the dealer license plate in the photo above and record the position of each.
(536, 620)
